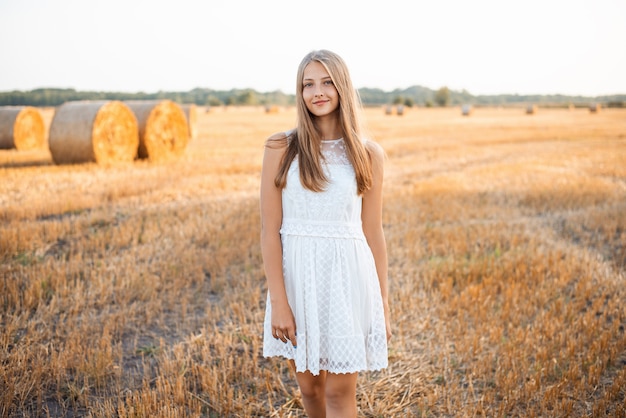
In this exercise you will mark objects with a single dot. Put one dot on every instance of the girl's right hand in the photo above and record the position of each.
(283, 323)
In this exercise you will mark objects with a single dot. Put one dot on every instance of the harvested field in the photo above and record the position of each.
(138, 290)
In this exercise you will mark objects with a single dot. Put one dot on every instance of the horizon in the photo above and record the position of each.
(570, 48)
(279, 91)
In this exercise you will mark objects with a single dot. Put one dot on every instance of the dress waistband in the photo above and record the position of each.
(321, 228)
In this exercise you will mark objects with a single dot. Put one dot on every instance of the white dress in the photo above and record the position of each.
(330, 276)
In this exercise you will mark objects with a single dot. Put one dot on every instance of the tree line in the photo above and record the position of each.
(415, 95)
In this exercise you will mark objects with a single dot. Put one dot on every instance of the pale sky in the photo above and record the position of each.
(485, 46)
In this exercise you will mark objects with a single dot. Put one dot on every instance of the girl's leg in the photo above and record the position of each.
(312, 390)
(341, 395)
(328, 395)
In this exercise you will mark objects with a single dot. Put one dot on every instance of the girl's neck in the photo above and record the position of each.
(329, 128)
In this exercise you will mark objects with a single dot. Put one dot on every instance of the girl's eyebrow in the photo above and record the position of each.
(323, 78)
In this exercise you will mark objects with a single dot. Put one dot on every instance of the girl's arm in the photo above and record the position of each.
(372, 220)
(283, 323)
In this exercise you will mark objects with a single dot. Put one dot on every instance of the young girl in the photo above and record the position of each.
(322, 242)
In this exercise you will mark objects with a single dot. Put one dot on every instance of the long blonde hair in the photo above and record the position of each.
(305, 141)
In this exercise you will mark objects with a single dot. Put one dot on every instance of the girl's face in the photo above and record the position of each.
(318, 90)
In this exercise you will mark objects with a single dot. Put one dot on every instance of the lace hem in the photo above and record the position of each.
(380, 364)
(336, 355)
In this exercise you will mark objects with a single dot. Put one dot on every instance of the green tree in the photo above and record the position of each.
(442, 97)
(398, 100)
(213, 101)
(248, 97)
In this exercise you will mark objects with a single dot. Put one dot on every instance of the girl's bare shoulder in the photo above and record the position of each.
(278, 136)
(375, 150)
(279, 140)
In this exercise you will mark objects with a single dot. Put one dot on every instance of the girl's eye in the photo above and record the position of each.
(308, 84)
(328, 82)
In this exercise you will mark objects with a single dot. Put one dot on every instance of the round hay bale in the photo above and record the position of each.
(104, 132)
(272, 109)
(163, 129)
(400, 110)
(191, 113)
(531, 109)
(466, 110)
(388, 110)
(21, 128)
(595, 107)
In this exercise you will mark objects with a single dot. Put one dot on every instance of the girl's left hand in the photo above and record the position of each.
(387, 322)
